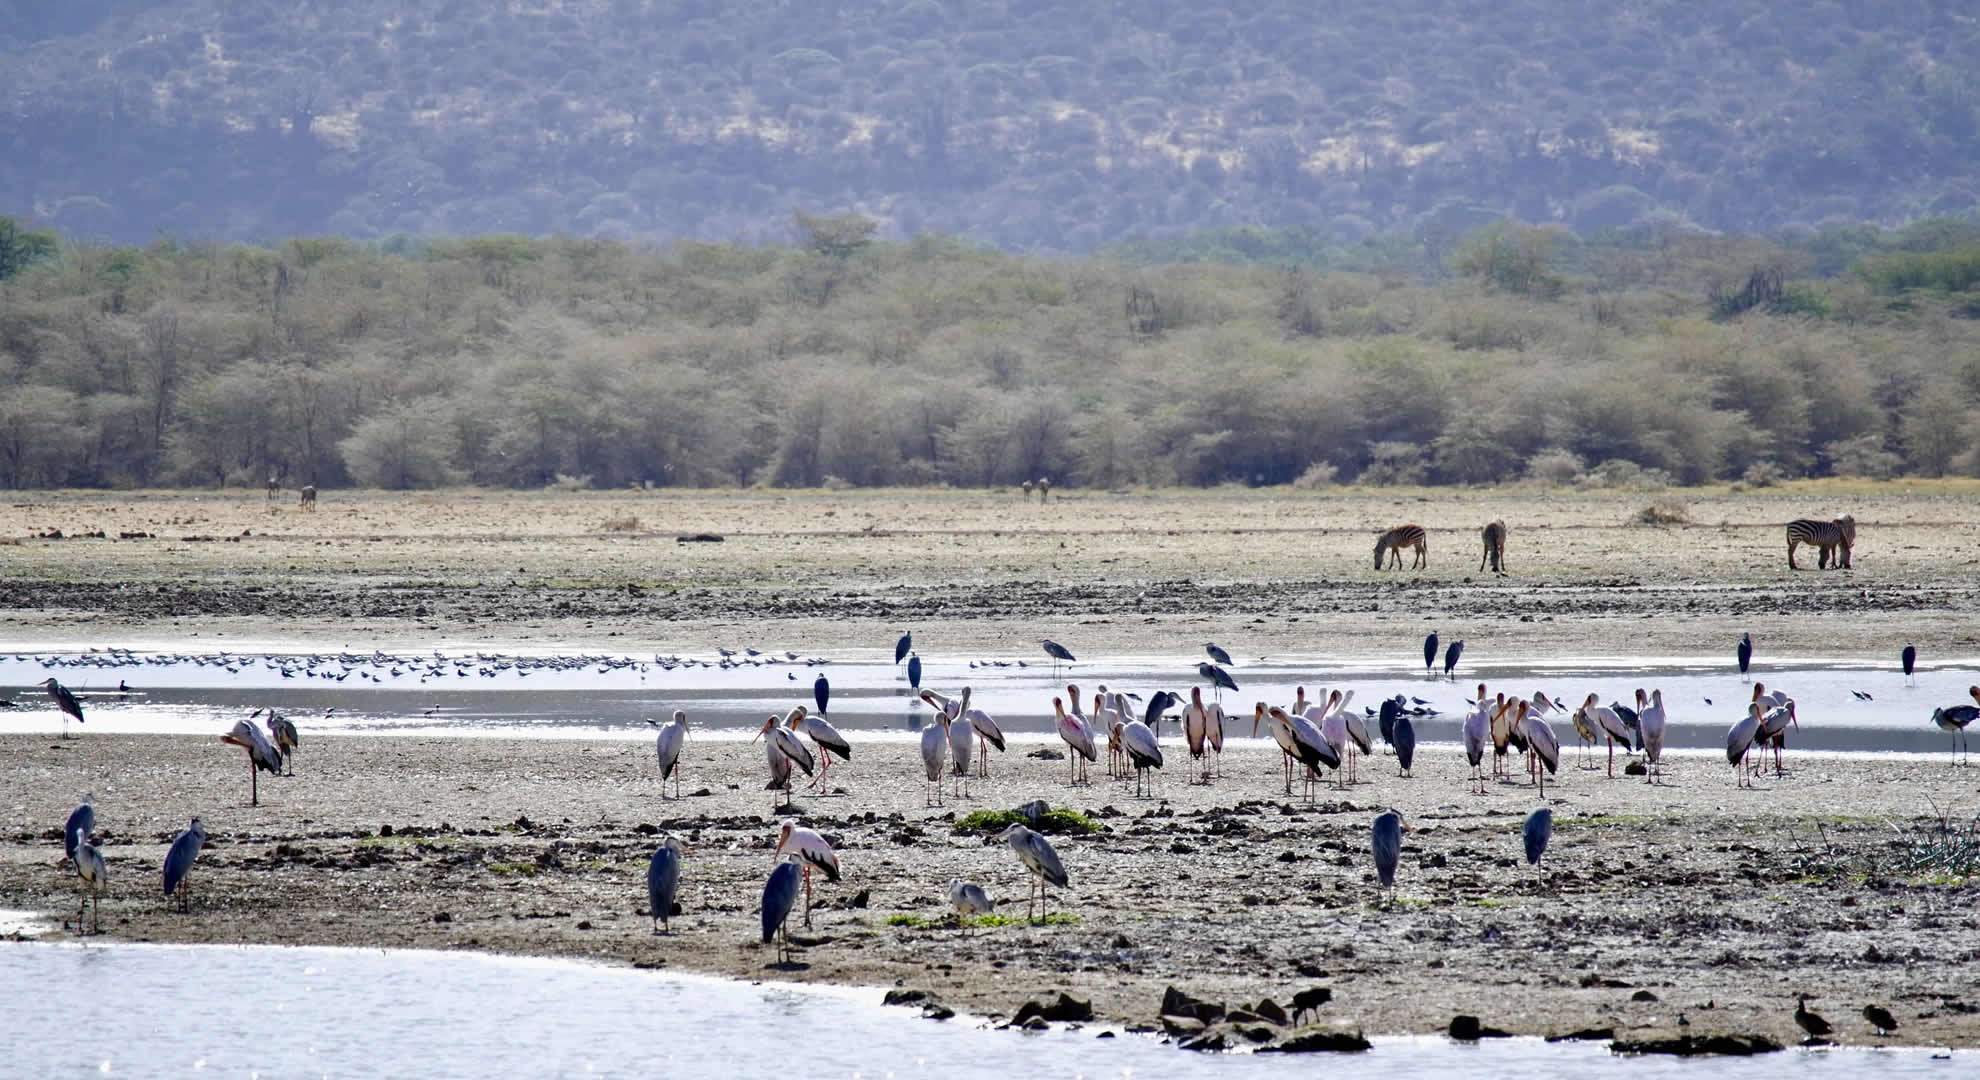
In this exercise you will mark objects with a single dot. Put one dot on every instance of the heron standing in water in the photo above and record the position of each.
(65, 701)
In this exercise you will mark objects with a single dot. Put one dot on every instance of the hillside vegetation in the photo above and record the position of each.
(501, 360)
(1030, 124)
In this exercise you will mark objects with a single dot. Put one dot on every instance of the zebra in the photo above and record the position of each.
(1395, 540)
(1495, 547)
(1832, 537)
(308, 497)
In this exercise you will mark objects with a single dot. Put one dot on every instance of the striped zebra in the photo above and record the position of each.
(1395, 540)
(308, 497)
(1834, 538)
(1495, 547)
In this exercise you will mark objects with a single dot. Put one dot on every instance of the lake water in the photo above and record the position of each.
(554, 696)
(142, 1010)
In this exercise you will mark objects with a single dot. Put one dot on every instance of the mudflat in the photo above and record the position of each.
(1694, 906)
(1692, 903)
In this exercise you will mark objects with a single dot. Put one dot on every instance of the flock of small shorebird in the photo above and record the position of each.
(1312, 733)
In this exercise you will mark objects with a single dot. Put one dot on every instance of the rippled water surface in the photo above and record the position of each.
(607, 696)
(136, 1010)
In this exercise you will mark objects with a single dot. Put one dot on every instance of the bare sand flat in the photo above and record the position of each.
(1692, 899)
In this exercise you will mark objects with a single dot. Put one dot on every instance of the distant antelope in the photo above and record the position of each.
(308, 497)
(1495, 547)
(1395, 540)
(1834, 538)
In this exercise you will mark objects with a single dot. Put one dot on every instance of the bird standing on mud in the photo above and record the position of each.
(261, 755)
(811, 851)
(663, 880)
(667, 748)
(968, 898)
(179, 861)
(1040, 861)
(65, 701)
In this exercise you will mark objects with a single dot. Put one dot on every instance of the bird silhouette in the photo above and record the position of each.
(1430, 653)
(1815, 1026)
(1908, 659)
(1880, 1018)
(1745, 653)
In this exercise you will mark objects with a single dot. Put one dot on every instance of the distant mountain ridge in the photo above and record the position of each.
(1030, 124)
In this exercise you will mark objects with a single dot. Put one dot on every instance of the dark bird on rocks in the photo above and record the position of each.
(1880, 1018)
(1815, 1026)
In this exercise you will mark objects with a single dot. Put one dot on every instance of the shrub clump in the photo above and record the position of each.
(627, 524)
(1554, 467)
(1056, 821)
(1664, 512)
(1317, 475)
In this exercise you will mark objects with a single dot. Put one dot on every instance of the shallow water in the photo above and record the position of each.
(576, 697)
(138, 1010)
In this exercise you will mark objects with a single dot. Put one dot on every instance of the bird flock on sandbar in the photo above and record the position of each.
(1321, 737)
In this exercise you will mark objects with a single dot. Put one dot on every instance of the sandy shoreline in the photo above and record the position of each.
(1721, 903)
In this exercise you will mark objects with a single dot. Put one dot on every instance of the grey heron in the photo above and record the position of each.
(1451, 659)
(1650, 725)
(1219, 679)
(1908, 659)
(95, 875)
(667, 748)
(824, 736)
(179, 860)
(812, 852)
(1430, 654)
(1040, 862)
(968, 898)
(902, 647)
(779, 896)
(261, 755)
(82, 822)
(663, 881)
(1217, 655)
(1538, 830)
(1385, 840)
(65, 701)
(1079, 741)
(1057, 652)
(283, 734)
(914, 672)
(1744, 652)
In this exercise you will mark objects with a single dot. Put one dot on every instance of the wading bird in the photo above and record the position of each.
(1815, 1026)
(1143, 752)
(261, 755)
(1057, 652)
(902, 646)
(781, 751)
(1539, 829)
(1039, 860)
(824, 736)
(1739, 741)
(1303, 741)
(968, 899)
(1650, 725)
(1079, 741)
(914, 672)
(667, 747)
(811, 851)
(779, 896)
(82, 822)
(282, 732)
(1542, 745)
(1744, 652)
(1908, 660)
(821, 692)
(1404, 740)
(1386, 841)
(1430, 654)
(179, 860)
(1217, 677)
(987, 733)
(663, 880)
(1477, 729)
(934, 753)
(1773, 732)
(64, 701)
(95, 875)
(1451, 659)
(1881, 1019)
(1213, 728)
(1216, 655)
(1952, 719)
(1196, 732)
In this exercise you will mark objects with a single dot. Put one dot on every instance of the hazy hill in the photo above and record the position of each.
(1027, 123)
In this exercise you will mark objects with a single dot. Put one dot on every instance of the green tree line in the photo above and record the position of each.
(508, 361)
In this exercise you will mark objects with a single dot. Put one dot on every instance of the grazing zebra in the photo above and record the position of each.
(1395, 540)
(1495, 547)
(1834, 538)
(308, 497)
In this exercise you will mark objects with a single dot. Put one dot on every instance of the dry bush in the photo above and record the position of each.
(1862, 456)
(1317, 475)
(567, 482)
(627, 524)
(1555, 467)
(1396, 464)
(836, 483)
(1664, 512)
(1763, 474)
(1625, 476)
